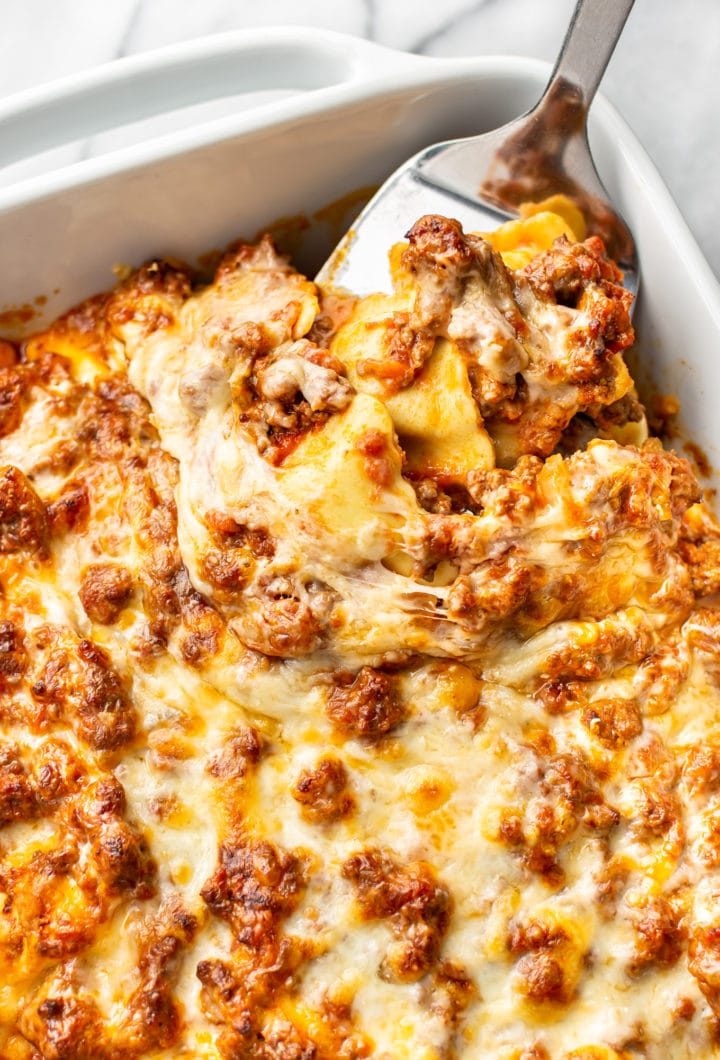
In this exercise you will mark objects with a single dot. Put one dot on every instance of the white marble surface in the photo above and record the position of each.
(663, 78)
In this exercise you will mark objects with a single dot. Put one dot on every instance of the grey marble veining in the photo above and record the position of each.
(663, 78)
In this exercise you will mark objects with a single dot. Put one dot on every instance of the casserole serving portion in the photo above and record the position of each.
(359, 669)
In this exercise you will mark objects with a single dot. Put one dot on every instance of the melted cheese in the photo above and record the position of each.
(407, 755)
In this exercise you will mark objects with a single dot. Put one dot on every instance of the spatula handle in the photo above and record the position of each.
(593, 32)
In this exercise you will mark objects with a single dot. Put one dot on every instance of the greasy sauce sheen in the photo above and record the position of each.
(359, 670)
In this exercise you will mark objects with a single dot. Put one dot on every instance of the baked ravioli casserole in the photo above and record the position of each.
(359, 670)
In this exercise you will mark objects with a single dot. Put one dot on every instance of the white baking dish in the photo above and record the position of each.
(365, 109)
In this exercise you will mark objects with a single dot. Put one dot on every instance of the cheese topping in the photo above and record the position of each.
(359, 671)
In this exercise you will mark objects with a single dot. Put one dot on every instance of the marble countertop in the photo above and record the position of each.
(663, 77)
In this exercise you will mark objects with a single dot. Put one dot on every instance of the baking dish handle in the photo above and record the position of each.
(144, 86)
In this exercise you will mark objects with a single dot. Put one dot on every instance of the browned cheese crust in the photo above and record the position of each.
(359, 680)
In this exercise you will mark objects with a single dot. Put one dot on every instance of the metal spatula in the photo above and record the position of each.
(482, 180)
